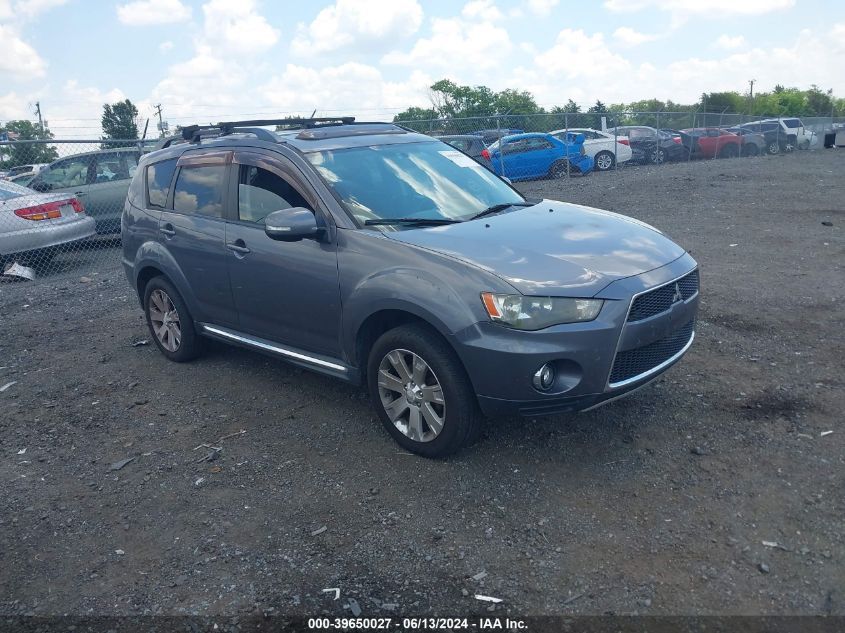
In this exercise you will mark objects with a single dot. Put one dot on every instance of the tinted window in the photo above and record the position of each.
(72, 172)
(792, 122)
(159, 176)
(200, 190)
(260, 192)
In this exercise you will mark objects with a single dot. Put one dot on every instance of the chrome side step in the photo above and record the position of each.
(322, 364)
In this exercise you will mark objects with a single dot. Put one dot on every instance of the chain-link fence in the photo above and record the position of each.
(60, 205)
(61, 201)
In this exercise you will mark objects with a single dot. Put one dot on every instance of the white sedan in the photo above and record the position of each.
(600, 145)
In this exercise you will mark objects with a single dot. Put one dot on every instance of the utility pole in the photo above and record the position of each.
(160, 122)
(751, 90)
(40, 120)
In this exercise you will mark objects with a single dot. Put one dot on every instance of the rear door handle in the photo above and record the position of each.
(167, 229)
(80, 194)
(239, 247)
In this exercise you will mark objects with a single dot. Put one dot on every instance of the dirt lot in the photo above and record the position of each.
(662, 503)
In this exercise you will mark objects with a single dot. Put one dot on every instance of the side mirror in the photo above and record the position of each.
(507, 180)
(292, 225)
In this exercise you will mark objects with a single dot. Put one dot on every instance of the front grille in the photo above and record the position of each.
(661, 299)
(634, 362)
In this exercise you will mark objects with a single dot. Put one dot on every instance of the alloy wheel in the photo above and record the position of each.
(411, 395)
(604, 162)
(165, 320)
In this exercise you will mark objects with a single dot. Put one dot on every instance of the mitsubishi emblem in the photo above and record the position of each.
(677, 296)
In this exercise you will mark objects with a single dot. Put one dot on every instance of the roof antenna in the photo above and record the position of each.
(313, 113)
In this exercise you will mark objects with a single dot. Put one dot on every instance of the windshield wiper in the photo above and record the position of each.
(419, 221)
(496, 208)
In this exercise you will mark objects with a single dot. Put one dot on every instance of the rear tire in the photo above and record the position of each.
(657, 157)
(170, 322)
(421, 392)
(605, 161)
(773, 147)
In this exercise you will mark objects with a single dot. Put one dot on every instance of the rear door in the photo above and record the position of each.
(286, 292)
(192, 229)
(113, 172)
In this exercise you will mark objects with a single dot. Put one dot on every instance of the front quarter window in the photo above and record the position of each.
(426, 180)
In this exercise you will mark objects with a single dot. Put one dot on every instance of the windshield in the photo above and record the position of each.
(429, 181)
(10, 190)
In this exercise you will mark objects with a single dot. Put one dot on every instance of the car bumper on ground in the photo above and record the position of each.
(594, 362)
(39, 237)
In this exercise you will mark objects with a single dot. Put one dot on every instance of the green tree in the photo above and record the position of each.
(597, 111)
(118, 120)
(415, 113)
(26, 153)
(514, 102)
(819, 103)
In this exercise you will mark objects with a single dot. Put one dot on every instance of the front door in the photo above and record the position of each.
(286, 292)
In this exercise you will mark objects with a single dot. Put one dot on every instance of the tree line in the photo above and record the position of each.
(450, 101)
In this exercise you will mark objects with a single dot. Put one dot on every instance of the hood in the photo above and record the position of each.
(552, 248)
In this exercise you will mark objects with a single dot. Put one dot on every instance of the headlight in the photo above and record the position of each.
(536, 313)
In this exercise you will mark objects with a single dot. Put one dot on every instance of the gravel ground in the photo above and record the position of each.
(717, 490)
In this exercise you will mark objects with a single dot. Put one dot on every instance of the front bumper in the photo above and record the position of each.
(501, 361)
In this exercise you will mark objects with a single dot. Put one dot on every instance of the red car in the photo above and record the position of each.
(711, 142)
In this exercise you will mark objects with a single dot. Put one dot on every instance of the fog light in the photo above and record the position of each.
(544, 377)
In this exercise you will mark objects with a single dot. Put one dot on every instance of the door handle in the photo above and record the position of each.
(80, 194)
(238, 246)
(167, 229)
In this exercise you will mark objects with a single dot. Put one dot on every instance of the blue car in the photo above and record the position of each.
(537, 155)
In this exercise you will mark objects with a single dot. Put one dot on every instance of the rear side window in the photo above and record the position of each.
(792, 123)
(159, 176)
(200, 190)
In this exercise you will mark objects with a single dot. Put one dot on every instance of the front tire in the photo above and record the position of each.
(558, 169)
(750, 149)
(729, 151)
(170, 322)
(421, 392)
(773, 147)
(605, 161)
(657, 157)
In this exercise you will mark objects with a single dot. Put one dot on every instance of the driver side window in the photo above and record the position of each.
(260, 192)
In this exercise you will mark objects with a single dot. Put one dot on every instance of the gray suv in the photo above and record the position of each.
(392, 260)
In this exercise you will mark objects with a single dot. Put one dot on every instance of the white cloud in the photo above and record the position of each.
(19, 58)
(238, 27)
(542, 7)
(350, 88)
(456, 44)
(351, 22)
(165, 46)
(706, 8)
(728, 42)
(28, 9)
(591, 51)
(147, 12)
(629, 37)
(482, 10)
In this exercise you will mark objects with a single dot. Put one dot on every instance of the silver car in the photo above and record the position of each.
(32, 222)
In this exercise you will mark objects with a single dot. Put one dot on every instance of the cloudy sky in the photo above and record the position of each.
(218, 59)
